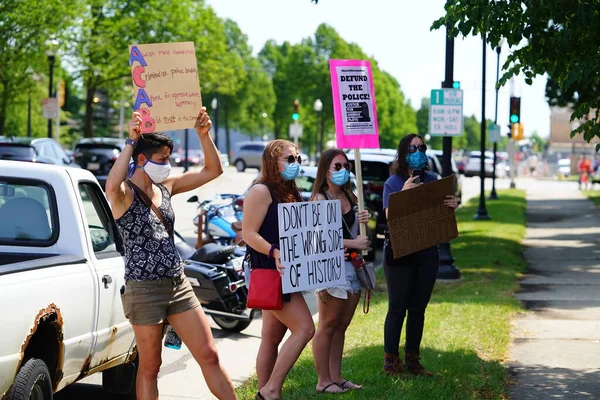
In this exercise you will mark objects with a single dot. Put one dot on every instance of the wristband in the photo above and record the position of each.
(132, 142)
(273, 247)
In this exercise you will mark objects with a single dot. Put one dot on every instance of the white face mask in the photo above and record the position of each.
(157, 172)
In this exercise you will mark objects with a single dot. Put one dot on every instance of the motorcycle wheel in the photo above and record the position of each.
(230, 324)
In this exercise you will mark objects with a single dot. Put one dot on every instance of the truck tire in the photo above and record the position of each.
(230, 324)
(33, 382)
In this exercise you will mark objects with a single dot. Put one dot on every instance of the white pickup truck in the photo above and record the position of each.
(61, 272)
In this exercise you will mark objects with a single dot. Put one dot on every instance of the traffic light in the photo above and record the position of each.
(295, 115)
(456, 85)
(521, 133)
(515, 110)
(517, 132)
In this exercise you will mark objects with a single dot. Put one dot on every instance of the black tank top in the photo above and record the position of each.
(149, 251)
(269, 230)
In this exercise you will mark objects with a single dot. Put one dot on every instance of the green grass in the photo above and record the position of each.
(594, 196)
(467, 323)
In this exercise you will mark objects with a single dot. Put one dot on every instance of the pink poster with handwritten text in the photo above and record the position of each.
(354, 106)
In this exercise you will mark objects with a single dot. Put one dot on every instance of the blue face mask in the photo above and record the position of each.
(417, 160)
(291, 171)
(340, 177)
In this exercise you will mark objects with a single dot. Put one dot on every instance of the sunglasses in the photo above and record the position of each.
(338, 166)
(293, 159)
(412, 148)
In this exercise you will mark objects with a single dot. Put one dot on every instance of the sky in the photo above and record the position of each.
(395, 33)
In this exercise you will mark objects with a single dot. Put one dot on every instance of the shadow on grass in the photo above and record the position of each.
(457, 375)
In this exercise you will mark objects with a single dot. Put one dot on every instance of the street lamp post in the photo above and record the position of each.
(447, 270)
(263, 126)
(30, 73)
(318, 106)
(51, 59)
(482, 213)
(493, 195)
(214, 104)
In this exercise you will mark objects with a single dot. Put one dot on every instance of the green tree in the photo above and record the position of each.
(27, 30)
(471, 134)
(538, 143)
(554, 37)
(302, 72)
(99, 44)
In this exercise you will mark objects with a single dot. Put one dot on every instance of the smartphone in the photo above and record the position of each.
(421, 175)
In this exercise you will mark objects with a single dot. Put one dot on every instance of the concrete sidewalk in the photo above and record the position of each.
(556, 344)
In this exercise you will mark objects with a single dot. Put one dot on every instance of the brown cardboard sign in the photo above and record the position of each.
(418, 218)
(166, 85)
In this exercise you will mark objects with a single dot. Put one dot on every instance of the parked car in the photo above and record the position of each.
(473, 166)
(460, 166)
(564, 167)
(40, 150)
(249, 155)
(61, 271)
(98, 155)
(195, 157)
(458, 178)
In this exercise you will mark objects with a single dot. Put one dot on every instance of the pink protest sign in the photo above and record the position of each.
(354, 104)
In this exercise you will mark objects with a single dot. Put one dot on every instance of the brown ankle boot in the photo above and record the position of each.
(392, 364)
(412, 365)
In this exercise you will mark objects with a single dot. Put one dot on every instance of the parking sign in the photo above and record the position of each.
(446, 112)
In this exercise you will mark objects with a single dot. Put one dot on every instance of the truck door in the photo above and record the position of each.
(114, 333)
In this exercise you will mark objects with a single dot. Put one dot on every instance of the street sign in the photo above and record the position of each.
(494, 132)
(295, 131)
(446, 112)
(50, 107)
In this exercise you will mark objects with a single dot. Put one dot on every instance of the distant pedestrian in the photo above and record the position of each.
(260, 225)
(337, 304)
(585, 169)
(411, 278)
(532, 162)
(156, 290)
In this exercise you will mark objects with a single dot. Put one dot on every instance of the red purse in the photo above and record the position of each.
(265, 291)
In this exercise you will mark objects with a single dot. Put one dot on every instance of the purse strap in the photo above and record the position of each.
(367, 301)
(150, 204)
(343, 220)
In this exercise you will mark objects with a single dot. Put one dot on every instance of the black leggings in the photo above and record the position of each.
(410, 282)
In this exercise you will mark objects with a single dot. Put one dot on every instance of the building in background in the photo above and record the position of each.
(561, 145)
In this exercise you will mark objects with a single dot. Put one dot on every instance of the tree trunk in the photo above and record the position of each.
(3, 106)
(277, 131)
(88, 127)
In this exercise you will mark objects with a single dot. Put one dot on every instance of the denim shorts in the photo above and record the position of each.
(151, 302)
(352, 284)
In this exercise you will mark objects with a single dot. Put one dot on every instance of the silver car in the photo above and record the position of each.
(247, 155)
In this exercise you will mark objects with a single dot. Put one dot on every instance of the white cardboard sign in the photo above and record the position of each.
(311, 245)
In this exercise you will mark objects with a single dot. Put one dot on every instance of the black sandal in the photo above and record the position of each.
(343, 385)
(259, 396)
(324, 390)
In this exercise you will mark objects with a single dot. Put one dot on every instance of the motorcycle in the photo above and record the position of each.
(216, 274)
(218, 220)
